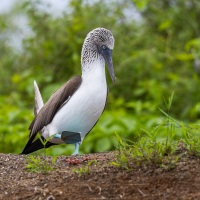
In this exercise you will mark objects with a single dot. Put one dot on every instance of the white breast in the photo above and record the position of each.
(84, 108)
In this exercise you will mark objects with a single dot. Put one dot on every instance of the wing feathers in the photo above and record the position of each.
(44, 115)
(48, 111)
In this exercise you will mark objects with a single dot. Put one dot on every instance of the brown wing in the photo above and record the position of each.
(56, 101)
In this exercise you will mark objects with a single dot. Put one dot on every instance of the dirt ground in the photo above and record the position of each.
(78, 178)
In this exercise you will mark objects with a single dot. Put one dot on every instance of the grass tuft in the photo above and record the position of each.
(159, 145)
(85, 169)
(35, 164)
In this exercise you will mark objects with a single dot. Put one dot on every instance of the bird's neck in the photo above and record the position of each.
(94, 71)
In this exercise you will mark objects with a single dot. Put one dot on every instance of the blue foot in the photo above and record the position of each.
(77, 145)
(70, 137)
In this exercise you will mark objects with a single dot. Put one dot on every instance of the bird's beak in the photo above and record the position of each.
(107, 55)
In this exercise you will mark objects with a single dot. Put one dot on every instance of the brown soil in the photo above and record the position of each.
(98, 180)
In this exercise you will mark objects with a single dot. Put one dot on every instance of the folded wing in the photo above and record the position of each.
(44, 115)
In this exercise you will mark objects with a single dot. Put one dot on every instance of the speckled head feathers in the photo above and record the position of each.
(95, 38)
(101, 36)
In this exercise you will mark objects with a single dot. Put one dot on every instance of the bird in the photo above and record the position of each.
(74, 109)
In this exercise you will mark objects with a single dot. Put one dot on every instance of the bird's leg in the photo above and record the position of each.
(77, 145)
(57, 136)
(70, 137)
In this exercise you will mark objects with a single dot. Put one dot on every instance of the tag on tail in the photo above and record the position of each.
(70, 137)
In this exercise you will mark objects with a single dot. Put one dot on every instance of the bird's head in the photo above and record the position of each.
(99, 44)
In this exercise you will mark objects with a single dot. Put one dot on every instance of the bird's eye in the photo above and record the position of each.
(104, 47)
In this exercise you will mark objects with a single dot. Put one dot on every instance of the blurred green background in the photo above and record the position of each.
(157, 52)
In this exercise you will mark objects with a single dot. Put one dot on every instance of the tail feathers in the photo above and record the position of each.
(38, 99)
(32, 145)
(36, 145)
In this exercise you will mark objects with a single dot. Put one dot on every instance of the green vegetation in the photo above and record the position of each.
(37, 165)
(161, 145)
(85, 169)
(155, 54)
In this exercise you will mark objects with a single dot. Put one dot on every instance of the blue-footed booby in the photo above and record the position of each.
(74, 109)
